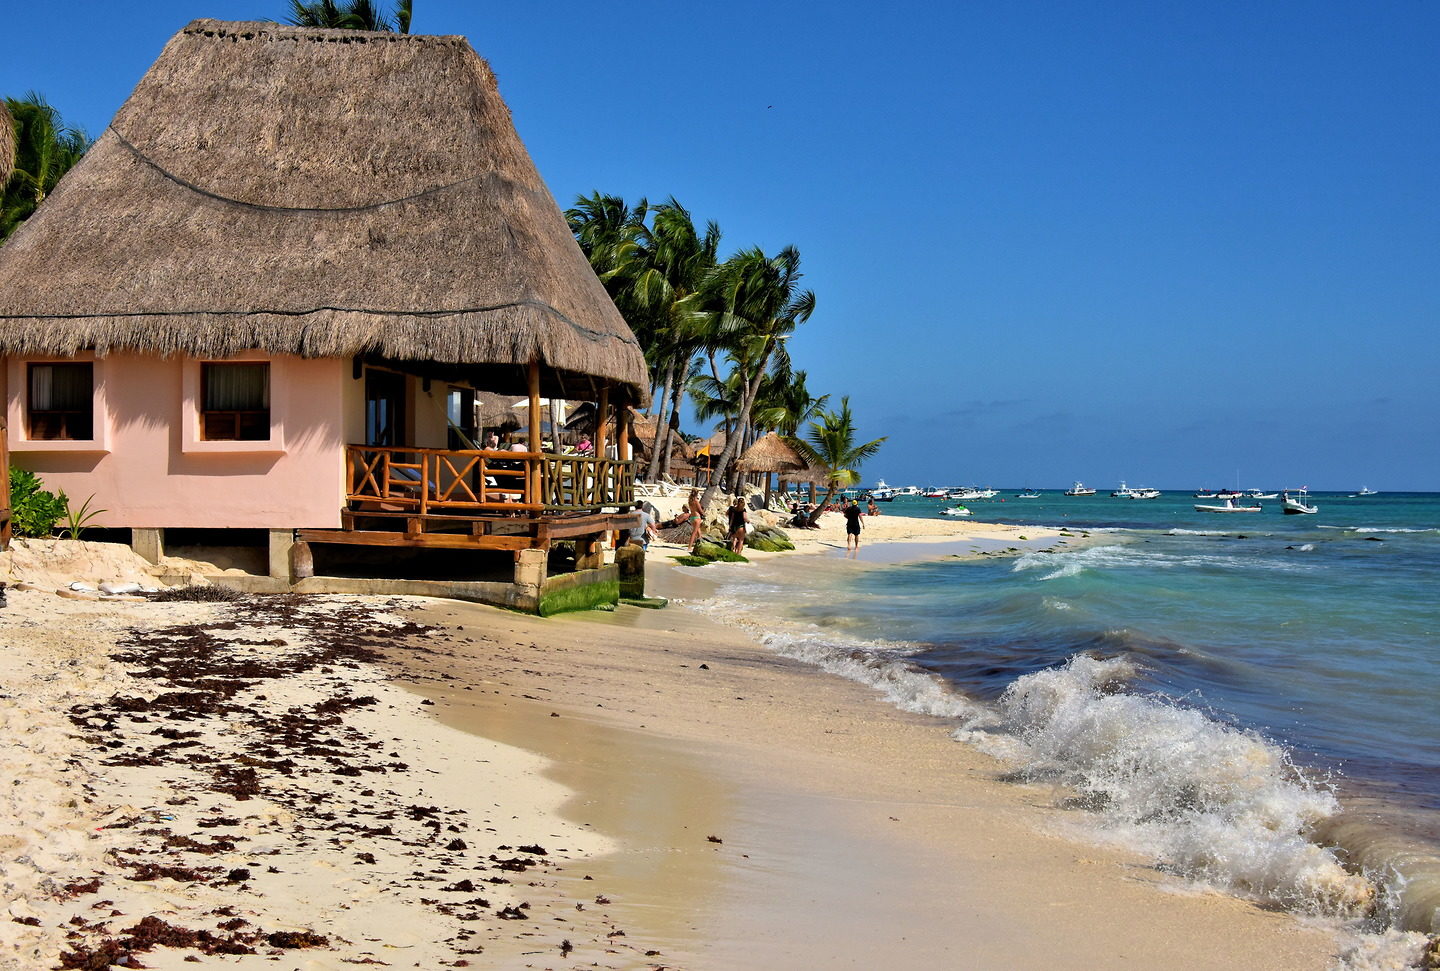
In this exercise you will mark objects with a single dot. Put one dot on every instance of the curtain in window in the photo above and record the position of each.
(61, 387)
(237, 387)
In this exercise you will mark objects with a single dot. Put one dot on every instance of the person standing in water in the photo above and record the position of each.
(853, 516)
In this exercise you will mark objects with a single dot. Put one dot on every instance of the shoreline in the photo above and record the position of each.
(846, 832)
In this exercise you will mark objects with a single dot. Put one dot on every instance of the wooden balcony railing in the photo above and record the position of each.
(445, 482)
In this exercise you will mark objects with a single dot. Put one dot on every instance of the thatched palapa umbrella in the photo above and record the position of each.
(771, 453)
(322, 193)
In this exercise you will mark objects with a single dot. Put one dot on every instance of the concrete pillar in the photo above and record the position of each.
(281, 540)
(630, 561)
(588, 554)
(149, 544)
(530, 569)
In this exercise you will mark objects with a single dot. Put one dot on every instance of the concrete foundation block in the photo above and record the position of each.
(531, 568)
(149, 544)
(281, 541)
(630, 561)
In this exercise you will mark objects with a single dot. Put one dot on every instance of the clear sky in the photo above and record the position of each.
(1049, 241)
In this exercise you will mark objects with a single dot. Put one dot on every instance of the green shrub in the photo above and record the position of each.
(33, 510)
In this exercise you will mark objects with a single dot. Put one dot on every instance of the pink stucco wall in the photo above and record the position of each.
(149, 470)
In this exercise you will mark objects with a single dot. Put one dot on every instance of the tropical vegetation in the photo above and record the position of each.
(715, 327)
(830, 444)
(41, 149)
(354, 15)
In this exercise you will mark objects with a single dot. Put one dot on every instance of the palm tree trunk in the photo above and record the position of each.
(732, 441)
(661, 427)
(676, 394)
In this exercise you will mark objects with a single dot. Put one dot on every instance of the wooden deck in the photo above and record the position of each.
(478, 499)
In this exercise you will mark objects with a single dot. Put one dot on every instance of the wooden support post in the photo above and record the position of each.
(622, 448)
(532, 480)
(601, 406)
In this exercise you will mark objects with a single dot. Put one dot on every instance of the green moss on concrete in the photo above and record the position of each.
(691, 560)
(649, 603)
(579, 596)
(768, 539)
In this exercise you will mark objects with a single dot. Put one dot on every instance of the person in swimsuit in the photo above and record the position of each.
(738, 519)
(852, 525)
(694, 516)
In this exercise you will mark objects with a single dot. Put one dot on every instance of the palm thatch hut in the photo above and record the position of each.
(7, 145)
(771, 453)
(278, 280)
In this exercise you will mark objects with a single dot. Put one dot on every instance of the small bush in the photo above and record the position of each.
(199, 593)
(34, 511)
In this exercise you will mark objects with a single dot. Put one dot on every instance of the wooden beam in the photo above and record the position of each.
(463, 541)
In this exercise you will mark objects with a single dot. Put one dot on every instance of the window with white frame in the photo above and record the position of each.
(60, 404)
(235, 401)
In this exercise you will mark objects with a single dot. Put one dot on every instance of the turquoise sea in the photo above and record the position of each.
(1253, 699)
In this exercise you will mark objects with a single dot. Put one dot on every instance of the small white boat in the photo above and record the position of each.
(1144, 492)
(1205, 494)
(937, 494)
(1078, 489)
(1228, 507)
(955, 511)
(1257, 494)
(1364, 491)
(1027, 494)
(1124, 492)
(1300, 505)
(970, 494)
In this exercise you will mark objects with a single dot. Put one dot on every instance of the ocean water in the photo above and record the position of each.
(1252, 699)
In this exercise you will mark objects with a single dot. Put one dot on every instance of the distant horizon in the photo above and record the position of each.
(1129, 242)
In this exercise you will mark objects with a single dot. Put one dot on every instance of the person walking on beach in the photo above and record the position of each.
(738, 519)
(852, 526)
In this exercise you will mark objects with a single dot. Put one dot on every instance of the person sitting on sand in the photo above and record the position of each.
(644, 531)
(738, 518)
(853, 516)
(872, 509)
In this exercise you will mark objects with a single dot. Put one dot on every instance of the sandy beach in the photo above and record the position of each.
(337, 781)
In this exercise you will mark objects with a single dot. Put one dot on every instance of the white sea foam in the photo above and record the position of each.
(1099, 558)
(1364, 530)
(1221, 805)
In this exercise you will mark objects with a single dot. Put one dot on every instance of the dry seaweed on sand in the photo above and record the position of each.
(286, 671)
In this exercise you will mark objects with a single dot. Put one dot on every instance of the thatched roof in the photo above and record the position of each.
(7, 145)
(314, 192)
(771, 453)
(642, 436)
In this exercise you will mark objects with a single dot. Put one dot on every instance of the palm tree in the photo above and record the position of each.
(44, 150)
(354, 15)
(830, 445)
(653, 273)
(755, 303)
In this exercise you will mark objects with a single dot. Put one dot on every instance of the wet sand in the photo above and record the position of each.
(850, 834)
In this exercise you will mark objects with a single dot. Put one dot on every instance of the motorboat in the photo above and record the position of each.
(1364, 491)
(1124, 492)
(971, 494)
(1144, 492)
(1229, 506)
(1205, 494)
(1078, 489)
(1299, 505)
(937, 494)
(1257, 494)
(955, 511)
(883, 492)
(1027, 494)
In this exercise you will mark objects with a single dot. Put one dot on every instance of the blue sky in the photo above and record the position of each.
(1158, 242)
